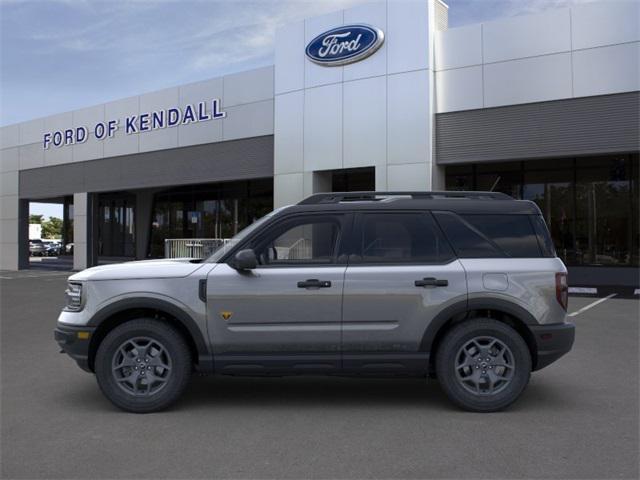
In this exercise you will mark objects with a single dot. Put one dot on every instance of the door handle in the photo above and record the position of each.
(314, 283)
(431, 282)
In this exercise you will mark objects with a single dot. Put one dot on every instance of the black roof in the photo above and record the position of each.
(453, 201)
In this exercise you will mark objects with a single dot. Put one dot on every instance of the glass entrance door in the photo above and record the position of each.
(116, 225)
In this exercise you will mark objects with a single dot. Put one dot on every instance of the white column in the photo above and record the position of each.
(375, 113)
(9, 209)
(316, 182)
(81, 235)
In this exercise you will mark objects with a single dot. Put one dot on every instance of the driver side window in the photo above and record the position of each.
(302, 242)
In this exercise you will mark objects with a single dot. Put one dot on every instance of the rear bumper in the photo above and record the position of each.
(552, 342)
(74, 345)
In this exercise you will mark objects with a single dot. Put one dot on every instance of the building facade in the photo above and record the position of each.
(542, 107)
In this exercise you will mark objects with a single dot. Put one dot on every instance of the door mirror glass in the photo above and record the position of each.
(245, 260)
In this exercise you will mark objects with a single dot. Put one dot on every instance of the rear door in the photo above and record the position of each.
(286, 313)
(402, 272)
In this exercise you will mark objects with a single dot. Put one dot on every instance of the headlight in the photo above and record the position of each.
(73, 294)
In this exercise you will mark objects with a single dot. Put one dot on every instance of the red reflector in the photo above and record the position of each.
(546, 336)
(562, 290)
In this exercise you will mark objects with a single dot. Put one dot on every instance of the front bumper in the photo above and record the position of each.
(552, 342)
(75, 341)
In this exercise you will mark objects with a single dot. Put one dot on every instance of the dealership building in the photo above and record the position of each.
(382, 96)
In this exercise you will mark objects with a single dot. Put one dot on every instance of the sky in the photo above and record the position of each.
(61, 55)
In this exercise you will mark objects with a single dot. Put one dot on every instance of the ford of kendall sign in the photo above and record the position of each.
(139, 123)
(343, 45)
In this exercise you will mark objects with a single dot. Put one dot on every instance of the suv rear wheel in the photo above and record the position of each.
(483, 365)
(143, 365)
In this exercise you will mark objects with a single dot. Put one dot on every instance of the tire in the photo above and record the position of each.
(483, 382)
(152, 365)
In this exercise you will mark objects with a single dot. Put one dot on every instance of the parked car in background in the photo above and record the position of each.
(68, 248)
(37, 248)
(53, 248)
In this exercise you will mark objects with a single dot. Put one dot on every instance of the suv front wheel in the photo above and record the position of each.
(483, 365)
(143, 365)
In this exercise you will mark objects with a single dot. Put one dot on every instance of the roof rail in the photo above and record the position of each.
(336, 197)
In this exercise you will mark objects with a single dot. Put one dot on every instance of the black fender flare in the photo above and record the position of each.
(468, 305)
(205, 359)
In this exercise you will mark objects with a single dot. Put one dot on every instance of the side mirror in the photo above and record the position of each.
(245, 260)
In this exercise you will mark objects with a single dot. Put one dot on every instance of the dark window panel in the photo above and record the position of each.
(353, 180)
(116, 225)
(401, 238)
(553, 192)
(603, 211)
(467, 241)
(513, 234)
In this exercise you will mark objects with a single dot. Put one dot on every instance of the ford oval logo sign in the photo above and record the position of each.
(343, 45)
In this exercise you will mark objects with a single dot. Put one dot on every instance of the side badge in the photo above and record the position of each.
(226, 315)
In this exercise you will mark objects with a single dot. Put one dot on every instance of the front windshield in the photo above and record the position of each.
(241, 235)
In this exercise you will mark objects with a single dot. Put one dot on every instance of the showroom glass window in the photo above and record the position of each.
(549, 183)
(211, 211)
(116, 225)
(604, 211)
(589, 203)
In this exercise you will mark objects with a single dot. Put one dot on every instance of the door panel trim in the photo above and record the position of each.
(412, 363)
(278, 364)
(373, 325)
(284, 327)
(347, 364)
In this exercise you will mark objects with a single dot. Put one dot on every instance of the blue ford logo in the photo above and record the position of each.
(343, 45)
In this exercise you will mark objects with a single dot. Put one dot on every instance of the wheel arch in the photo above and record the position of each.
(502, 310)
(119, 312)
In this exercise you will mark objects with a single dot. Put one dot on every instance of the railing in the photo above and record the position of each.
(299, 250)
(203, 247)
(192, 247)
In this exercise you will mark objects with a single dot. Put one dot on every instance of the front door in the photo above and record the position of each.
(286, 313)
(402, 272)
(116, 225)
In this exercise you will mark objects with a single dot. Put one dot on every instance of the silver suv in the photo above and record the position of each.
(461, 286)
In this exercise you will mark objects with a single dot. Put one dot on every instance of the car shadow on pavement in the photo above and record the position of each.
(312, 392)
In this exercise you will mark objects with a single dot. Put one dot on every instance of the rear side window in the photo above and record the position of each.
(400, 238)
(490, 236)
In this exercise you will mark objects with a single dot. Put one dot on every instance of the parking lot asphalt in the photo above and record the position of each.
(577, 419)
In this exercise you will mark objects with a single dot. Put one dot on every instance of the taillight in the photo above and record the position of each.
(562, 290)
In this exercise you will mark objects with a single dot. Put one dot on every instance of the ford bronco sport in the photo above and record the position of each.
(462, 286)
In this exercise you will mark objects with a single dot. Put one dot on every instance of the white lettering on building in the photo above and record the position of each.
(331, 44)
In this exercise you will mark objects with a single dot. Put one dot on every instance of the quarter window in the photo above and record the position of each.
(467, 240)
(513, 234)
(401, 238)
(490, 236)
